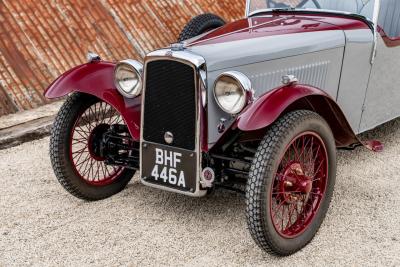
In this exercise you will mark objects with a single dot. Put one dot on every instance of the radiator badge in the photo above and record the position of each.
(169, 138)
(178, 47)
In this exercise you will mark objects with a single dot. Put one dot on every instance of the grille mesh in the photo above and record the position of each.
(170, 103)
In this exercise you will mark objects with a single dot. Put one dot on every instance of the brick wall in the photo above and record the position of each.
(41, 39)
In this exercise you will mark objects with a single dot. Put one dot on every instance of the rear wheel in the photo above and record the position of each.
(199, 25)
(291, 183)
(75, 148)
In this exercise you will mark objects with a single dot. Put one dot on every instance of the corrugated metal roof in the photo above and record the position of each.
(40, 39)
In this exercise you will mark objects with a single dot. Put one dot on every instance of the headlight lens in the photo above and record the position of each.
(128, 78)
(231, 91)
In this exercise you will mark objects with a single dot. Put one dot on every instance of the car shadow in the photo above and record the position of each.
(219, 203)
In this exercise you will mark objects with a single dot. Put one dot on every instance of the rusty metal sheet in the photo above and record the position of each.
(41, 39)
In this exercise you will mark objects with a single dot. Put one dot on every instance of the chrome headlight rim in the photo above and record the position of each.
(137, 68)
(243, 83)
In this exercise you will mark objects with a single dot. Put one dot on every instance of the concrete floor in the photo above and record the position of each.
(40, 224)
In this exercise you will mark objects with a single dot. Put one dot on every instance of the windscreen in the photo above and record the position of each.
(361, 7)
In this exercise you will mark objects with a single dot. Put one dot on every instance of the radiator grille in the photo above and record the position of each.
(170, 103)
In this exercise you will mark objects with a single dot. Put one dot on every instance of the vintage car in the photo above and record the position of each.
(259, 105)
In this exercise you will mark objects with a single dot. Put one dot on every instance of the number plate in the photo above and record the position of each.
(168, 166)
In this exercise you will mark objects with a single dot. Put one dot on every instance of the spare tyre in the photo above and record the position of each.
(199, 25)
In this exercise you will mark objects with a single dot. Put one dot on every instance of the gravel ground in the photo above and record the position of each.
(42, 225)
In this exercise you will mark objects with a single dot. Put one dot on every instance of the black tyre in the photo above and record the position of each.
(74, 143)
(199, 25)
(291, 183)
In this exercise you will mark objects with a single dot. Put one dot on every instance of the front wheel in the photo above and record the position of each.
(75, 148)
(291, 183)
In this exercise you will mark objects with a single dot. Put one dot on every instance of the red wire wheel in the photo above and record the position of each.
(291, 182)
(86, 140)
(76, 148)
(299, 185)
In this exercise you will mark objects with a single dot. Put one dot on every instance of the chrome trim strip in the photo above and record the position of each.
(240, 77)
(243, 81)
(182, 56)
(246, 15)
(377, 8)
(195, 62)
(138, 67)
(203, 86)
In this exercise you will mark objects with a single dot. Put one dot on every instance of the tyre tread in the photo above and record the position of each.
(57, 148)
(262, 163)
(199, 24)
(59, 161)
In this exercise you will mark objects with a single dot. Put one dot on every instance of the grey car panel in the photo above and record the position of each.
(383, 94)
(389, 17)
(320, 69)
(355, 74)
(242, 52)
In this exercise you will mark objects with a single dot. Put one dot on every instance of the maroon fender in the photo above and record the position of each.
(97, 79)
(270, 106)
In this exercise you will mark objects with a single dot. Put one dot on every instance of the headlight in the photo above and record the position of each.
(128, 78)
(231, 91)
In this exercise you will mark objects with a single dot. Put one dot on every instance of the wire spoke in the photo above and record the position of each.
(293, 202)
(80, 150)
(83, 161)
(90, 167)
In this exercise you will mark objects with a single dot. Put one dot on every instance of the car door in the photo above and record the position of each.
(382, 101)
